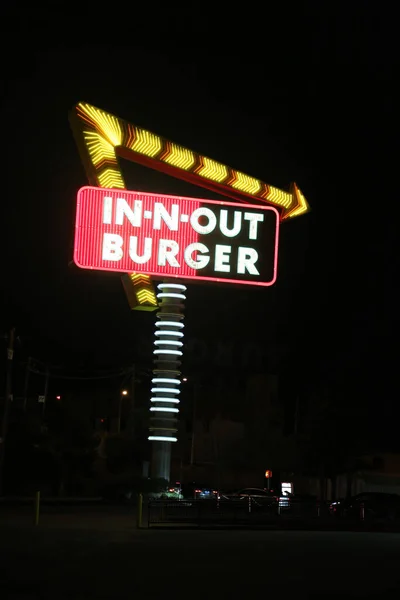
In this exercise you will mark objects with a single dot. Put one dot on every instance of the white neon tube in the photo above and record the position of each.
(166, 380)
(163, 332)
(168, 343)
(166, 390)
(164, 409)
(174, 352)
(175, 286)
(162, 438)
(171, 295)
(166, 400)
(170, 324)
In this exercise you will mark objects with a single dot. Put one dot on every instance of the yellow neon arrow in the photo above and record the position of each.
(101, 134)
(299, 204)
(105, 135)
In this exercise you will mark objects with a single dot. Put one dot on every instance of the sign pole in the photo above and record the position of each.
(166, 376)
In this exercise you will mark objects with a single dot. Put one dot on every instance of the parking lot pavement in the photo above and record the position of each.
(112, 559)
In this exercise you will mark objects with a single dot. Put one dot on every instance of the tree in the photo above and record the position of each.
(331, 434)
(71, 445)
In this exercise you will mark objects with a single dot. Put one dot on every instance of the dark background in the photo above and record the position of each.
(307, 98)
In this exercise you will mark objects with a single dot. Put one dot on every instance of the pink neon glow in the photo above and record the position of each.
(90, 229)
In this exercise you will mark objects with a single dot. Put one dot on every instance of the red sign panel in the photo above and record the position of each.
(170, 236)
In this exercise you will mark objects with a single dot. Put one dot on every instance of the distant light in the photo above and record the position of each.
(124, 392)
(184, 379)
(58, 397)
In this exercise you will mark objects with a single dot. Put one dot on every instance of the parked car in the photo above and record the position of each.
(205, 493)
(254, 493)
(257, 495)
(301, 504)
(368, 505)
(199, 491)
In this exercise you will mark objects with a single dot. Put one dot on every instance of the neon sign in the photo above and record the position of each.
(102, 138)
(170, 236)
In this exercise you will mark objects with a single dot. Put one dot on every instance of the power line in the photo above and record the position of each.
(81, 378)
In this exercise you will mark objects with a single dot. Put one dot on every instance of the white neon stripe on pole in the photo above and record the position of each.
(171, 295)
(162, 438)
(165, 380)
(174, 352)
(170, 324)
(175, 286)
(163, 332)
(170, 400)
(166, 390)
(168, 343)
(164, 409)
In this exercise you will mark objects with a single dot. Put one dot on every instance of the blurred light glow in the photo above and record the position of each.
(170, 400)
(164, 409)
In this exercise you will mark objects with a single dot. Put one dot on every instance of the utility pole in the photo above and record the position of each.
(46, 389)
(7, 400)
(26, 385)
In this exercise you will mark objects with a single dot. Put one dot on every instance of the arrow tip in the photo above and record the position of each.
(299, 205)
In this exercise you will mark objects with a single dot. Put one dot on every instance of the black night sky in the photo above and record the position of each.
(320, 111)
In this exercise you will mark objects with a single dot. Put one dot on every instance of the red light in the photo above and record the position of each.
(101, 420)
(58, 397)
(90, 230)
